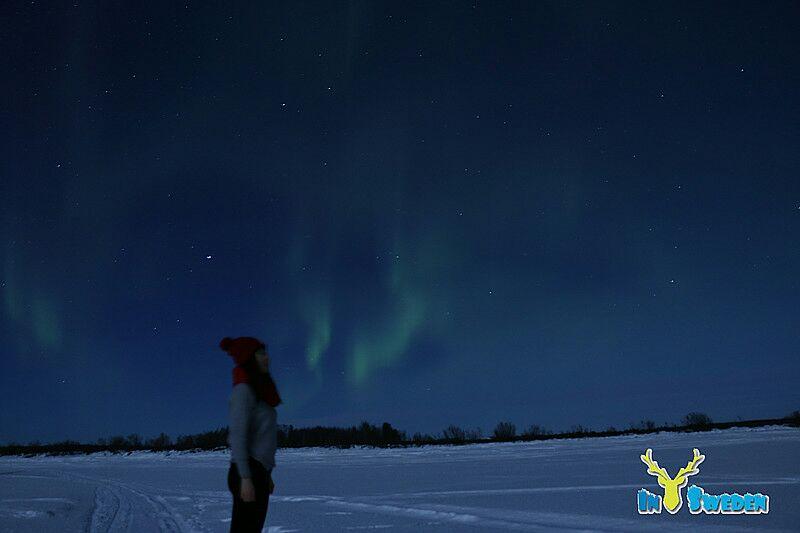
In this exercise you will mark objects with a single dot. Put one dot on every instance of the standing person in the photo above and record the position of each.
(252, 433)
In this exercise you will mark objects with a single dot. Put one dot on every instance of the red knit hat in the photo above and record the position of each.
(241, 348)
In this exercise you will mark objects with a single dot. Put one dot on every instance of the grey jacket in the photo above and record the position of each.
(253, 429)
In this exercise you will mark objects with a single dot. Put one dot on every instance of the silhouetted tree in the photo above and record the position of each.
(420, 438)
(696, 420)
(648, 425)
(161, 442)
(505, 431)
(474, 434)
(453, 434)
(534, 430)
(390, 435)
(117, 443)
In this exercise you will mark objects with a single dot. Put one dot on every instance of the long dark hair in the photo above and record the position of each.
(258, 380)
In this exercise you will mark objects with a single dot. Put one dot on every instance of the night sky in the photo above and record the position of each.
(435, 213)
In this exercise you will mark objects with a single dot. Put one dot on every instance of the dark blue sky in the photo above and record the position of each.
(434, 213)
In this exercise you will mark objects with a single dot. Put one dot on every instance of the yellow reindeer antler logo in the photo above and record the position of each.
(672, 486)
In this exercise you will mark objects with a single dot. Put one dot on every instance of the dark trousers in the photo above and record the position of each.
(249, 517)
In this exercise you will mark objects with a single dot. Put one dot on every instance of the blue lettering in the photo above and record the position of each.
(641, 499)
(711, 503)
(654, 502)
(695, 496)
(647, 502)
(725, 502)
(749, 503)
(737, 502)
(699, 501)
(762, 503)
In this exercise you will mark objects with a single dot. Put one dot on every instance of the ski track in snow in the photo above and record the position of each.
(117, 505)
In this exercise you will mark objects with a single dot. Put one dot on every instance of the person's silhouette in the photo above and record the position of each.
(252, 433)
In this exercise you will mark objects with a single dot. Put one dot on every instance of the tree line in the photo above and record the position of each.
(367, 434)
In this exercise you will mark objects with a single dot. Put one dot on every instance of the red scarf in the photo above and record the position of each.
(264, 388)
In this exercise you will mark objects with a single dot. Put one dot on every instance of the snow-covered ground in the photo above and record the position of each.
(576, 484)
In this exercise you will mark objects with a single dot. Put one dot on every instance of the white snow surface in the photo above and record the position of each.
(556, 485)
